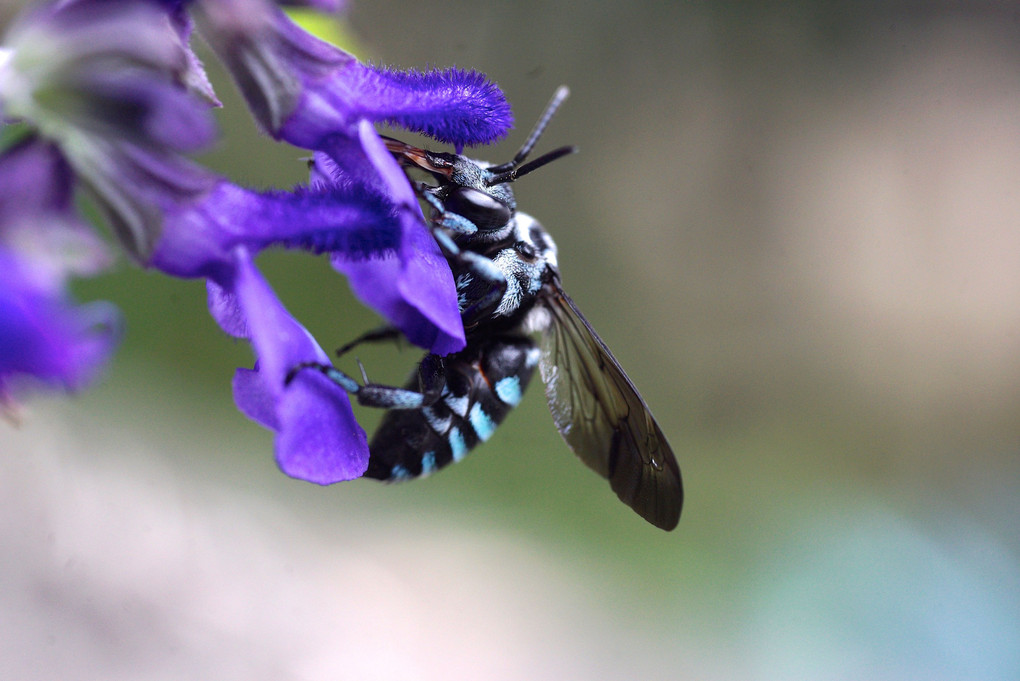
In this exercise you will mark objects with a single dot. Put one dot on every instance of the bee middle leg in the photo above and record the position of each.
(383, 333)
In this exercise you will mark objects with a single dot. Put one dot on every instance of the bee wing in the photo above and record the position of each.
(600, 414)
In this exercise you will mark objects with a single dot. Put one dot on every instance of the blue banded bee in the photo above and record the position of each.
(505, 268)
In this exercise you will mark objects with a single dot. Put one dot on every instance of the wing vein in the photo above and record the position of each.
(602, 417)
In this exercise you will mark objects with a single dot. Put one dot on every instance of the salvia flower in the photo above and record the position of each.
(316, 96)
(313, 95)
(114, 85)
(359, 225)
(44, 336)
(305, 91)
(317, 437)
(410, 285)
(105, 81)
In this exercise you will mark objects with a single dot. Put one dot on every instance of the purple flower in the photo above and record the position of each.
(411, 285)
(359, 208)
(304, 90)
(115, 86)
(371, 226)
(43, 334)
(317, 437)
(313, 95)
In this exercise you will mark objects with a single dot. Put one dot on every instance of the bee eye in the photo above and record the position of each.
(483, 210)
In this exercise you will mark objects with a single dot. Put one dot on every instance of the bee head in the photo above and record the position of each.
(475, 190)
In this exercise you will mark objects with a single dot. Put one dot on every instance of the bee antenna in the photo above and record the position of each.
(562, 92)
(514, 173)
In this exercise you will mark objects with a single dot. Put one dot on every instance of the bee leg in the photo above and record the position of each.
(480, 287)
(383, 333)
(481, 284)
(431, 380)
(443, 218)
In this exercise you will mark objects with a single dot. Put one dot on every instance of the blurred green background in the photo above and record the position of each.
(796, 224)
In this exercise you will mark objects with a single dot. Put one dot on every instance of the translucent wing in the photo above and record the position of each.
(603, 418)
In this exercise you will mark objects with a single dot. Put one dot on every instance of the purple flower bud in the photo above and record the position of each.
(109, 83)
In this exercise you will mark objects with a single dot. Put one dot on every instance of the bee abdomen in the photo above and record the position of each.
(483, 383)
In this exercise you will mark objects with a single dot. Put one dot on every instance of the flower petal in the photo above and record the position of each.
(200, 237)
(450, 105)
(44, 335)
(463, 108)
(413, 288)
(253, 399)
(317, 437)
(412, 295)
(318, 441)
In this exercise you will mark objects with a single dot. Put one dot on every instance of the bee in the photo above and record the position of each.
(508, 282)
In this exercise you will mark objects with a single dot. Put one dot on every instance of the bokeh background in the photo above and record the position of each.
(798, 226)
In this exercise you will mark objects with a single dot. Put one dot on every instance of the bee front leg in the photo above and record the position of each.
(458, 224)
